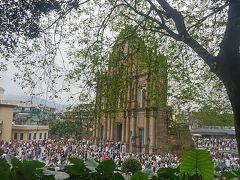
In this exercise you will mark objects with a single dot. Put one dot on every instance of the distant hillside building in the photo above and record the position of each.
(28, 114)
(10, 131)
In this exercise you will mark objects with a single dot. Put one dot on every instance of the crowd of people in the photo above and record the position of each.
(223, 144)
(54, 153)
(223, 151)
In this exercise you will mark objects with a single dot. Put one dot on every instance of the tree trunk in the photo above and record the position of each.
(233, 90)
(229, 64)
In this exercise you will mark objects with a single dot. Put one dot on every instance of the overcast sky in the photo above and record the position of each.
(12, 88)
(7, 83)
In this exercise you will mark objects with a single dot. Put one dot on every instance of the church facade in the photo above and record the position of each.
(132, 97)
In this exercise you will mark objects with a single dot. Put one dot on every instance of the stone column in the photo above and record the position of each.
(97, 131)
(133, 129)
(123, 129)
(94, 131)
(146, 135)
(112, 130)
(152, 134)
(105, 129)
(127, 137)
(108, 128)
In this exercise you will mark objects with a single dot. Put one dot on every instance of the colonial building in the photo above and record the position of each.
(131, 100)
(131, 97)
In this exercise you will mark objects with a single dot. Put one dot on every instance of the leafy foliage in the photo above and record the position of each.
(197, 163)
(77, 168)
(106, 170)
(131, 165)
(66, 129)
(231, 174)
(209, 116)
(26, 169)
(22, 18)
(84, 34)
(57, 175)
(168, 173)
(139, 175)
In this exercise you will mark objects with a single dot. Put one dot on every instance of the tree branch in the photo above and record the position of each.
(178, 19)
(231, 42)
(176, 16)
(63, 15)
(207, 16)
(160, 24)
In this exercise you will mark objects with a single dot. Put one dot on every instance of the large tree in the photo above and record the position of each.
(177, 21)
(23, 17)
(225, 64)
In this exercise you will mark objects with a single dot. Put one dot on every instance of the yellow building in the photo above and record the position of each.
(6, 116)
(10, 131)
(29, 132)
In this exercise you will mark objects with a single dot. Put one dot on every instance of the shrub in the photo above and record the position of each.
(131, 165)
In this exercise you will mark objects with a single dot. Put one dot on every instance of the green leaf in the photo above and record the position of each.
(9, 159)
(139, 175)
(13, 161)
(228, 174)
(168, 173)
(197, 162)
(33, 164)
(57, 174)
(118, 176)
(4, 169)
(91, 165)
(77, 167)
(76, 161)
(107, 167)
(1, 152)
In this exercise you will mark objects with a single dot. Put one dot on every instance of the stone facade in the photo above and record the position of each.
(140, 128)
(137, 118)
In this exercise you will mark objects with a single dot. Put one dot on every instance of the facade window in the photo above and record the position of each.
(143, 95)
(141, 137)
(45, 135)
(40, 135)
(119, 132)
(21, 136)
(15, 136)
(29, 136)
(34, 135)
